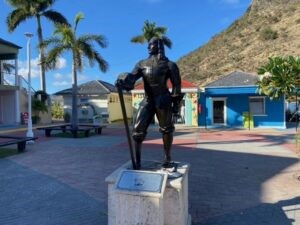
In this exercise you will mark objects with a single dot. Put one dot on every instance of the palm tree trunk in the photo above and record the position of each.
(41, 55)
(74, 95)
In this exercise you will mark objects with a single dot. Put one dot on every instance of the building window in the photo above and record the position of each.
(257, 105)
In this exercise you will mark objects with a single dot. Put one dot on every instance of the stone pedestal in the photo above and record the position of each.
(169, 207)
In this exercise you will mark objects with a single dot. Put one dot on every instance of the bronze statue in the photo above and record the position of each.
(155, 71)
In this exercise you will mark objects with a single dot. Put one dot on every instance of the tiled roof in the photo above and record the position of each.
(4, 42)
(184, 84)
(97, 87)
(235, 79)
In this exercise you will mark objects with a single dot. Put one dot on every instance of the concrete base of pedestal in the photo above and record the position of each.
(169, 209)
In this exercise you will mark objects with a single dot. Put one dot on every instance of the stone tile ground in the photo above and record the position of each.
(237, 177)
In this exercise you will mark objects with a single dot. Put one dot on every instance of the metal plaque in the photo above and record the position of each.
(132, 180)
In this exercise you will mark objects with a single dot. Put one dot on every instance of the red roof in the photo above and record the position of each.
(184, 84)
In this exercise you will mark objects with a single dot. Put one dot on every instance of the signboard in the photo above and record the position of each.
(143, 181)
(24, 118)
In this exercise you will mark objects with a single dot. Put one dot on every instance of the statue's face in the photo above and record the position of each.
(153, 47)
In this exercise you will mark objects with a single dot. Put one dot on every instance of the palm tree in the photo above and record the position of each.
(64, 40)
(150, 30)
(7, 67)
(23, 10)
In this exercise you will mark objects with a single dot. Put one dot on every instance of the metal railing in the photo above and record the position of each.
(9, 79)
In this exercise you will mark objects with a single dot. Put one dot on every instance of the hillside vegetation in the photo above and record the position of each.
(268, 28)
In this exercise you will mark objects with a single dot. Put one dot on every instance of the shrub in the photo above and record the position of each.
(268, 34)
(57, 110)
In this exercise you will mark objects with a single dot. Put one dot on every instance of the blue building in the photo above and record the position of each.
(233, 101)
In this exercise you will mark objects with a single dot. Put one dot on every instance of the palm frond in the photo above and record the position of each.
(53, 56)
(15, 18)
(42, 5)
(150, 30)
(7, 67)
(161, 30)
(65, 33)
(92, 55)
(79, 16)
(138, 39)
(53, 41)
(99, 39)
(55, 17)
(103, 65)
(17, 3)
(167, 42)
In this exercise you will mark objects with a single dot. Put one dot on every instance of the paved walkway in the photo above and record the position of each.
(238, 177)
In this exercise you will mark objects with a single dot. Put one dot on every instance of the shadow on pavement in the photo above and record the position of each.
(59, 178)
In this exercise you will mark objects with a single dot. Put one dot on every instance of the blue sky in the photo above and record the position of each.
(190, 23)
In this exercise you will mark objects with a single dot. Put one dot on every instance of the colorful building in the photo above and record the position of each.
(233, 101)
(96, 98)
(189, 106)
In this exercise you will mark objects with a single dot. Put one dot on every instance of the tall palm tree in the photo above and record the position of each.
(28, 9)
(150, 30)
(65, 40)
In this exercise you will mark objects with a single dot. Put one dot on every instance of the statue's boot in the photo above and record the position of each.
(138, 150)
(167, 140)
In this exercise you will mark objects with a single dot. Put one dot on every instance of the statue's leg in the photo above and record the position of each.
(167, 140)
(143, 119)
(138, 152)
(166, 128)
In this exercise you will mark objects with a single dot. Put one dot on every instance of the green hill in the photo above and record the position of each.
(268, 28)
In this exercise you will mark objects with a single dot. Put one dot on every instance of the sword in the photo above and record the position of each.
(120, 91)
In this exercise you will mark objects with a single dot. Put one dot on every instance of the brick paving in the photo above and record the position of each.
(237, 177)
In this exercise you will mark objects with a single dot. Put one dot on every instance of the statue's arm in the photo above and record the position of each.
(127, 80)
(176, 90)
(175, 79)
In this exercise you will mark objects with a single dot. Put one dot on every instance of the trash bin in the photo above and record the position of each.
(248, 120)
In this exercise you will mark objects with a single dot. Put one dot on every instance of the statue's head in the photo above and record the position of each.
(156, 47)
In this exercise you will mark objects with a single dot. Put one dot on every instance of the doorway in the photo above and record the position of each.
(219, 111)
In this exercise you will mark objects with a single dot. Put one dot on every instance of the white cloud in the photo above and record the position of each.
(62, 80)
(61, 83)
(58, 76)
(61, 63)
(82, 78)
(35, 68)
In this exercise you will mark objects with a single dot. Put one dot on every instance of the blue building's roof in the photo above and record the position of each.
(235, 79)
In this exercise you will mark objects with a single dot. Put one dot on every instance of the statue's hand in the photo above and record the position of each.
(119, 83)
(122, 83)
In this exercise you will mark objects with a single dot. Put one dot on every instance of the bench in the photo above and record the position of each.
(86, 128)
(20, 141)
(98, 128)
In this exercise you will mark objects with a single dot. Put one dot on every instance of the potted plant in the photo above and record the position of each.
(37, 107)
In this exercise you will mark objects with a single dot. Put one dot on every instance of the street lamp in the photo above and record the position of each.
(29, 123)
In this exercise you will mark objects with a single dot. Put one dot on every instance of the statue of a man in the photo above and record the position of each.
(155, 71)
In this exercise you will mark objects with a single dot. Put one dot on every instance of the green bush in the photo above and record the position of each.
(57, 110)
(268, 34)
